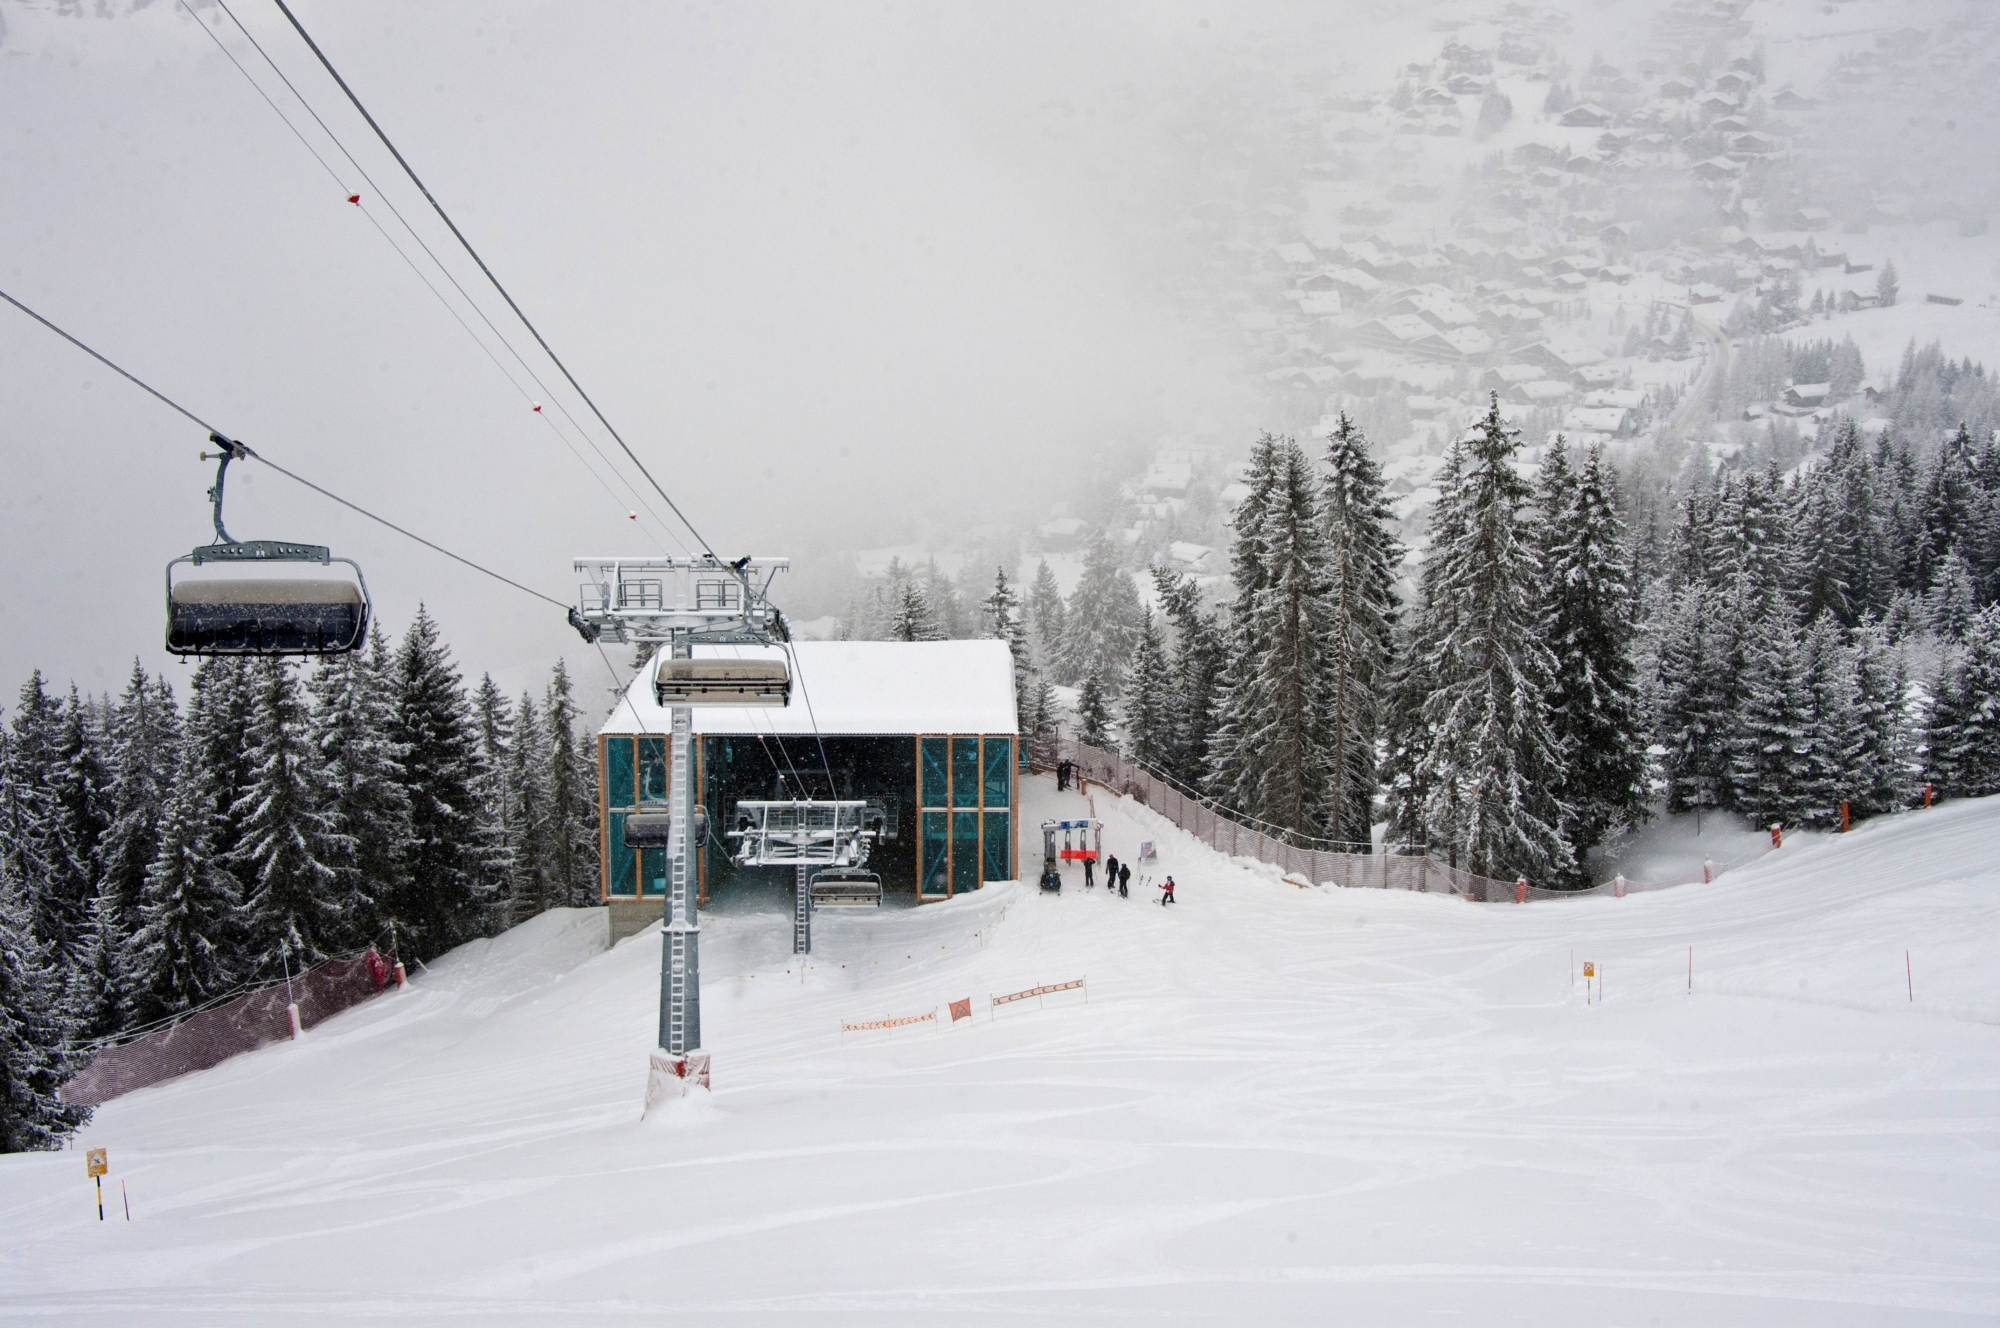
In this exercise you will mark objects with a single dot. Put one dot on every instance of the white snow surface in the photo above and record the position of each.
(1279, 1105)
(853, 688)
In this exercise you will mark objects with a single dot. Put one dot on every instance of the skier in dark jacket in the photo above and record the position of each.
(1124, 879)
(1089, 873)
(1111, 873)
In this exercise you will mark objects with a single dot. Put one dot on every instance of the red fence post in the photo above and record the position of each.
(1521, 890)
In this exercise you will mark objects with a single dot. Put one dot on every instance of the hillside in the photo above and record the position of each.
(1278, 1105)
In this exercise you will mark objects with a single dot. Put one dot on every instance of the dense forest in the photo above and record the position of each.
(156, 856)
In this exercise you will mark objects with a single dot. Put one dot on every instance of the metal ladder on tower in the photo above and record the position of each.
(802, 914)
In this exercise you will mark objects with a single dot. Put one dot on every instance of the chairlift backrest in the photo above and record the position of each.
(258, 613)
(722, 682)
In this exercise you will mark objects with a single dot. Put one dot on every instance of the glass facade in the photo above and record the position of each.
(934, 877)
(958, 791)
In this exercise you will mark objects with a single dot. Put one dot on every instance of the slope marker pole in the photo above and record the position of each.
(1909, 979)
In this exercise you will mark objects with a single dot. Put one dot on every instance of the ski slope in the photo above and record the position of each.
(1279, 1105)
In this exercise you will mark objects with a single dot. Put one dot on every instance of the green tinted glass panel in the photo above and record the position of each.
(623, 870)
(965, 772)
(618, 782)
(937, 828)
(936, 775)
(964, 851)
(652, 769)
(652, 871)
(999, 846)
(999, 757)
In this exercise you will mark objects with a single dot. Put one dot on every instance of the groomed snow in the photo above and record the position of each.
(1279, 1105)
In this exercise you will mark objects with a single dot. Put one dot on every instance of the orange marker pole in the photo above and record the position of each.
(100, 1196)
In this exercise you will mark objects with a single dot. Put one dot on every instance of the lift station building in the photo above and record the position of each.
(927, 727)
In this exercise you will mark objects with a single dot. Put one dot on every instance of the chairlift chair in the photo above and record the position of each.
(846, 887)
(722, 682)
(256, 613)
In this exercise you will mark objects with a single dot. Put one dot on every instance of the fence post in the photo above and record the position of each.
(1521, 890)
(1618, 886)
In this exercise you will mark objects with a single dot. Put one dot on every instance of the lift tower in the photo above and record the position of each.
(678, 604)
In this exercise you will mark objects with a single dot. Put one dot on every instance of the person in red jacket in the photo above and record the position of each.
(1167, 892)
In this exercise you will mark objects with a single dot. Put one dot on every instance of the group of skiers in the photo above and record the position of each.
(1118, 876)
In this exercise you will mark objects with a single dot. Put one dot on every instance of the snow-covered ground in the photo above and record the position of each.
(1279, 1105)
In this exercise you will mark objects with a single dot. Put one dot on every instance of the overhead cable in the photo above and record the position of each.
(474, 253)
(218, 435)
(390, 240)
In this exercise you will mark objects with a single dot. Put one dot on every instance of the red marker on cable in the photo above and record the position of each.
(354, 199)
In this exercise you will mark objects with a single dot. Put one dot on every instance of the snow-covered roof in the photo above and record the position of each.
(856, 688)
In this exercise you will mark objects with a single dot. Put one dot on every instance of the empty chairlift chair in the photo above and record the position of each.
(249, 602)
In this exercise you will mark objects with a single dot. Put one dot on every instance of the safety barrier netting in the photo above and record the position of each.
(208, 1037)
(1295, 855)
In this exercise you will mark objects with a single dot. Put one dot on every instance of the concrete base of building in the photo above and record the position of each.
(631, 915)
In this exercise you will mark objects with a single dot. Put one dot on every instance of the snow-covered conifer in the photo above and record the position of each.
(1001, 619)
(1279, 770)
(1771, 746)
(1093, 712)
(1045, 615)
(1101, 620)
(291, 854)
(1963, 736)
(1197, 676)
(1361, 617)
(912, 619)
(528, 767)
(146, 736)
(1493, 765)
(1593, 701)
(445, 894)
(572, 800)
(34, 1037)
(363, 792)
(1148, 701)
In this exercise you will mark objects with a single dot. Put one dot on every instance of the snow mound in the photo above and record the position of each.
(1279, 1104)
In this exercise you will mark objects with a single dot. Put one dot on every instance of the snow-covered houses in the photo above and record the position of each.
(927, 727)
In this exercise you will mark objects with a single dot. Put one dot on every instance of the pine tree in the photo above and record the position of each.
(1494, 761)
(1224, 760)
(1279, 701)
(528, 768)
(495, 719)
(1361, 587)
(364, 792)
(1832, 768)
(188, 942)
(290, 853)
(1093, 713)
(146, 737)
(1771, 747)
(34, 1037)
(1001, 620)
(1882, 771)
(912, 620)
(446, 893)
(1148, 702)
(947, 613)
(572, 802)
(1593, 702)
(1101, 621)
(81, 784)
(1415, 675)
(1197, 676)
(1887, 287)
(1963, 736)
(1045, 616)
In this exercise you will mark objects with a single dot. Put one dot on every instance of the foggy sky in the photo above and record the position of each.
(844, 276)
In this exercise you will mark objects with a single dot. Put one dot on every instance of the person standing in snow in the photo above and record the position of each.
(1124, 879)
(1110, 873)
(1089, 873)
(1166, 892)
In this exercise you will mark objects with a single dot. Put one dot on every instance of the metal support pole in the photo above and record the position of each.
(802, 915)
(680, 960)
